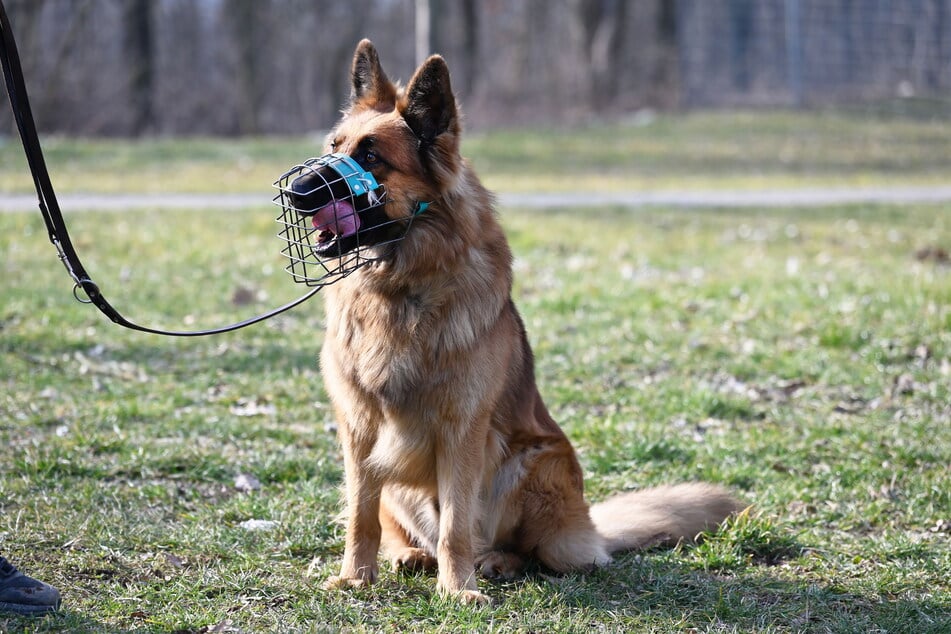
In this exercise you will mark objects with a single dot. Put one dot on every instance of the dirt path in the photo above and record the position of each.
(804, 197)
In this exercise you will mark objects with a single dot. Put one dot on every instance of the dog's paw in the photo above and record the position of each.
(468, 594)
(413, 560)
(465, 597)
(500, 565)
(472, 597)
(338, 582)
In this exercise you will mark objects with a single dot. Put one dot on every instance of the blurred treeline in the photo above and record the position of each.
(236, 67)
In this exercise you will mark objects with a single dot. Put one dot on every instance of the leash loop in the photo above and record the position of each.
(81, 300)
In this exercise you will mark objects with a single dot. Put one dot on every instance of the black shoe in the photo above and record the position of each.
(20, 594)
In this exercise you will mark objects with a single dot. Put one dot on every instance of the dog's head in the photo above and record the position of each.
(394, 152)
(408, 139)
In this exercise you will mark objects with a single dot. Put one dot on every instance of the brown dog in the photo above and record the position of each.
(452, 459)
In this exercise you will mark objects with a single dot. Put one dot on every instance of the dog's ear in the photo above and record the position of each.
(370, 85)
(430, 106)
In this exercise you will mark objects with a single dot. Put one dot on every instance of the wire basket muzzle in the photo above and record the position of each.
(332, 219)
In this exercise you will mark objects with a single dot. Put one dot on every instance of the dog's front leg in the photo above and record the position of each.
(459, 474)
(363, 488)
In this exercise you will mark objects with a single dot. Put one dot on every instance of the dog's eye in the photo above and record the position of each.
(333, 145)
(371, 158)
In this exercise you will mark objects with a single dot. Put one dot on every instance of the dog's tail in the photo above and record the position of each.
(662, 515)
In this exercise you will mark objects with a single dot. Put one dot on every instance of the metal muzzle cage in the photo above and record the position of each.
(331, 219)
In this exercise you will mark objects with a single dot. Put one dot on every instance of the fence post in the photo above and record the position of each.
(794, 60)
(423, 33)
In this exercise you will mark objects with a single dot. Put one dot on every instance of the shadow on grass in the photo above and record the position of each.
(659, 588)
(63, 621)
(656, 592)
(67, 621)
(215, 353)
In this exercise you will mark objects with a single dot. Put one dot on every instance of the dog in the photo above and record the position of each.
(452, 461)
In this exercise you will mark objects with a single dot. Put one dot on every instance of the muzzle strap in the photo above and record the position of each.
(359, 180)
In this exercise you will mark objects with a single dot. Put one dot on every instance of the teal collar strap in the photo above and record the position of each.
(420, 208)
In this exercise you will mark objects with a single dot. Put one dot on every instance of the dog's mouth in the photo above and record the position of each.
(337, 224)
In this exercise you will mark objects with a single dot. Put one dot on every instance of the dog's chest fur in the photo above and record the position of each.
(377, 340)
(407, 348)
(413, 360)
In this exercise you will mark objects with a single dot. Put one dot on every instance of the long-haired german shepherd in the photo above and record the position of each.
(452, 459)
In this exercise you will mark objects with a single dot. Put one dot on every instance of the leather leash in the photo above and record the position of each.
(52, 215)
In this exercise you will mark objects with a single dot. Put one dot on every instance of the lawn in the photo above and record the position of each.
(802, 357)
(708, 150)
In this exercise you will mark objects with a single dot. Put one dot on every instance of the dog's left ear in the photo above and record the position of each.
(430, 105)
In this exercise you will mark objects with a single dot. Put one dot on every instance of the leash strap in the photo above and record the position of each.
(53, 217)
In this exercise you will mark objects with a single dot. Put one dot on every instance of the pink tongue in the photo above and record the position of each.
(338, 217)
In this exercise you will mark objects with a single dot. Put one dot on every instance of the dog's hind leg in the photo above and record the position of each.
(556, 525)
(576, 548)
(500, 565)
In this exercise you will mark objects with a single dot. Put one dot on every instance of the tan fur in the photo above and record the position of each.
(662, 515)
(451, 457)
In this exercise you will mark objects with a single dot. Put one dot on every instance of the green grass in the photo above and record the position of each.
(745, 150)
(800, 356)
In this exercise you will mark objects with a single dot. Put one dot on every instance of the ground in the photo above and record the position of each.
(800, 355)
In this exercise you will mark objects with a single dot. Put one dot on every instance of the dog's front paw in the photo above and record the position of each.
(360, 578)
(473, 597)
(338, 582)
(467, 597)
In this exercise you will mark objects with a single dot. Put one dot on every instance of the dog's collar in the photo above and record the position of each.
(420, 207)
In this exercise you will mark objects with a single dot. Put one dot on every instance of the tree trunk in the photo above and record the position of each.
(138, 47)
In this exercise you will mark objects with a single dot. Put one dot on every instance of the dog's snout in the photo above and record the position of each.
(331, 205)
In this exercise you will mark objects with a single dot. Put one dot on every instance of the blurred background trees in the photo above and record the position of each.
(235, 67)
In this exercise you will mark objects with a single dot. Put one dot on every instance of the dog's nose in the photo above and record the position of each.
(309, 192)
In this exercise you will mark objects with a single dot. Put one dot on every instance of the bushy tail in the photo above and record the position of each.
(662, 515)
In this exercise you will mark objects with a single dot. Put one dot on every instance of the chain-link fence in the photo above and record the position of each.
(809, 52)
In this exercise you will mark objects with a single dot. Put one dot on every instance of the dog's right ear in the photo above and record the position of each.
(430, 105)
(370, 85)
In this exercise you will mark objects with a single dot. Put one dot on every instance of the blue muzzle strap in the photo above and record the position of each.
(359, 180)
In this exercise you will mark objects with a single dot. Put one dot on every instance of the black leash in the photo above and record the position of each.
(53, 217)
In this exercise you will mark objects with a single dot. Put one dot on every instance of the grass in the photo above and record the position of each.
(718, 150)
(800, 356)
